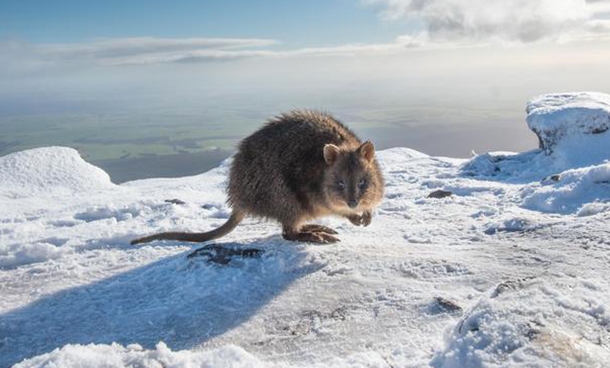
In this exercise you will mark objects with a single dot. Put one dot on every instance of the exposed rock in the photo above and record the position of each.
(511, 285)
(447, 305)
(174, 201)
(440, 194)
(551, 179)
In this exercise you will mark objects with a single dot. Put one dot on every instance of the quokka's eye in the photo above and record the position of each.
(341, 184)
(362, 183)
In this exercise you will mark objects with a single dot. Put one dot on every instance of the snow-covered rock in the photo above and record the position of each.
(576, 122)
(49, 171)
(569, 172)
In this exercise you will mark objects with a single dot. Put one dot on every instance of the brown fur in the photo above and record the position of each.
(299, 166)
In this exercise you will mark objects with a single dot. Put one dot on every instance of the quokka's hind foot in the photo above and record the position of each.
(315, 228)
(310, 237)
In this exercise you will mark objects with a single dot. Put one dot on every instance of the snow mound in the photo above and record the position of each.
(507, 166)
(115, 355)
(49, 171)
(579, 120)
(548, 186)
(134, 355)
(585, 191)
(13, 255)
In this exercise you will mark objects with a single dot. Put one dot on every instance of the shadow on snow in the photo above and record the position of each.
(180, 301)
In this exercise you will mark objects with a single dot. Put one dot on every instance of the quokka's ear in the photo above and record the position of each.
(367, 151)
(331, 152)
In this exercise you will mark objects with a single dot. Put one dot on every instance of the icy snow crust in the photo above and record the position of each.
(509, 271)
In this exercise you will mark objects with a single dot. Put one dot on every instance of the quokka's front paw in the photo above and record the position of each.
(361, 220)
(367, 217)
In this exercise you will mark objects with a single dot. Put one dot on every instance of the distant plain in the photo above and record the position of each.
(172, 140)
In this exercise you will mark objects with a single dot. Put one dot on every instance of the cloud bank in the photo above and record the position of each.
(523, 21)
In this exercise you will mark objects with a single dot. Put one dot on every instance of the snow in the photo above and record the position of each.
(511, 270)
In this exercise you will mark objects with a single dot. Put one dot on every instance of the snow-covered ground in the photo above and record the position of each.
(512, 269)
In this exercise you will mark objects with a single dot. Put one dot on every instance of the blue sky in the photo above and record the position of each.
(292, 23)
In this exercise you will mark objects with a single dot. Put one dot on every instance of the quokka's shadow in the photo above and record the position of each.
(180, 300)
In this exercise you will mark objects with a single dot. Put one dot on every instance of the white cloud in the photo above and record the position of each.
(599, 8)
(522, 21)
(145, 51)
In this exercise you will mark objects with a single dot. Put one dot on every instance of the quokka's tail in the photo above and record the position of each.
(226, 228)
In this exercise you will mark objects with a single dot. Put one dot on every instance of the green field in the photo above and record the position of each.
(117, 142)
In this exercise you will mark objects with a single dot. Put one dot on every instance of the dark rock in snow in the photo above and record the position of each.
(447, 305)
(440, 194)
(174, 201)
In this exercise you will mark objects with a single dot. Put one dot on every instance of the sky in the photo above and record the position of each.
(291, 23)
(333, 54)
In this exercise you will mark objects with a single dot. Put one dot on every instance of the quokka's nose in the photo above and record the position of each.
(353, 203)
